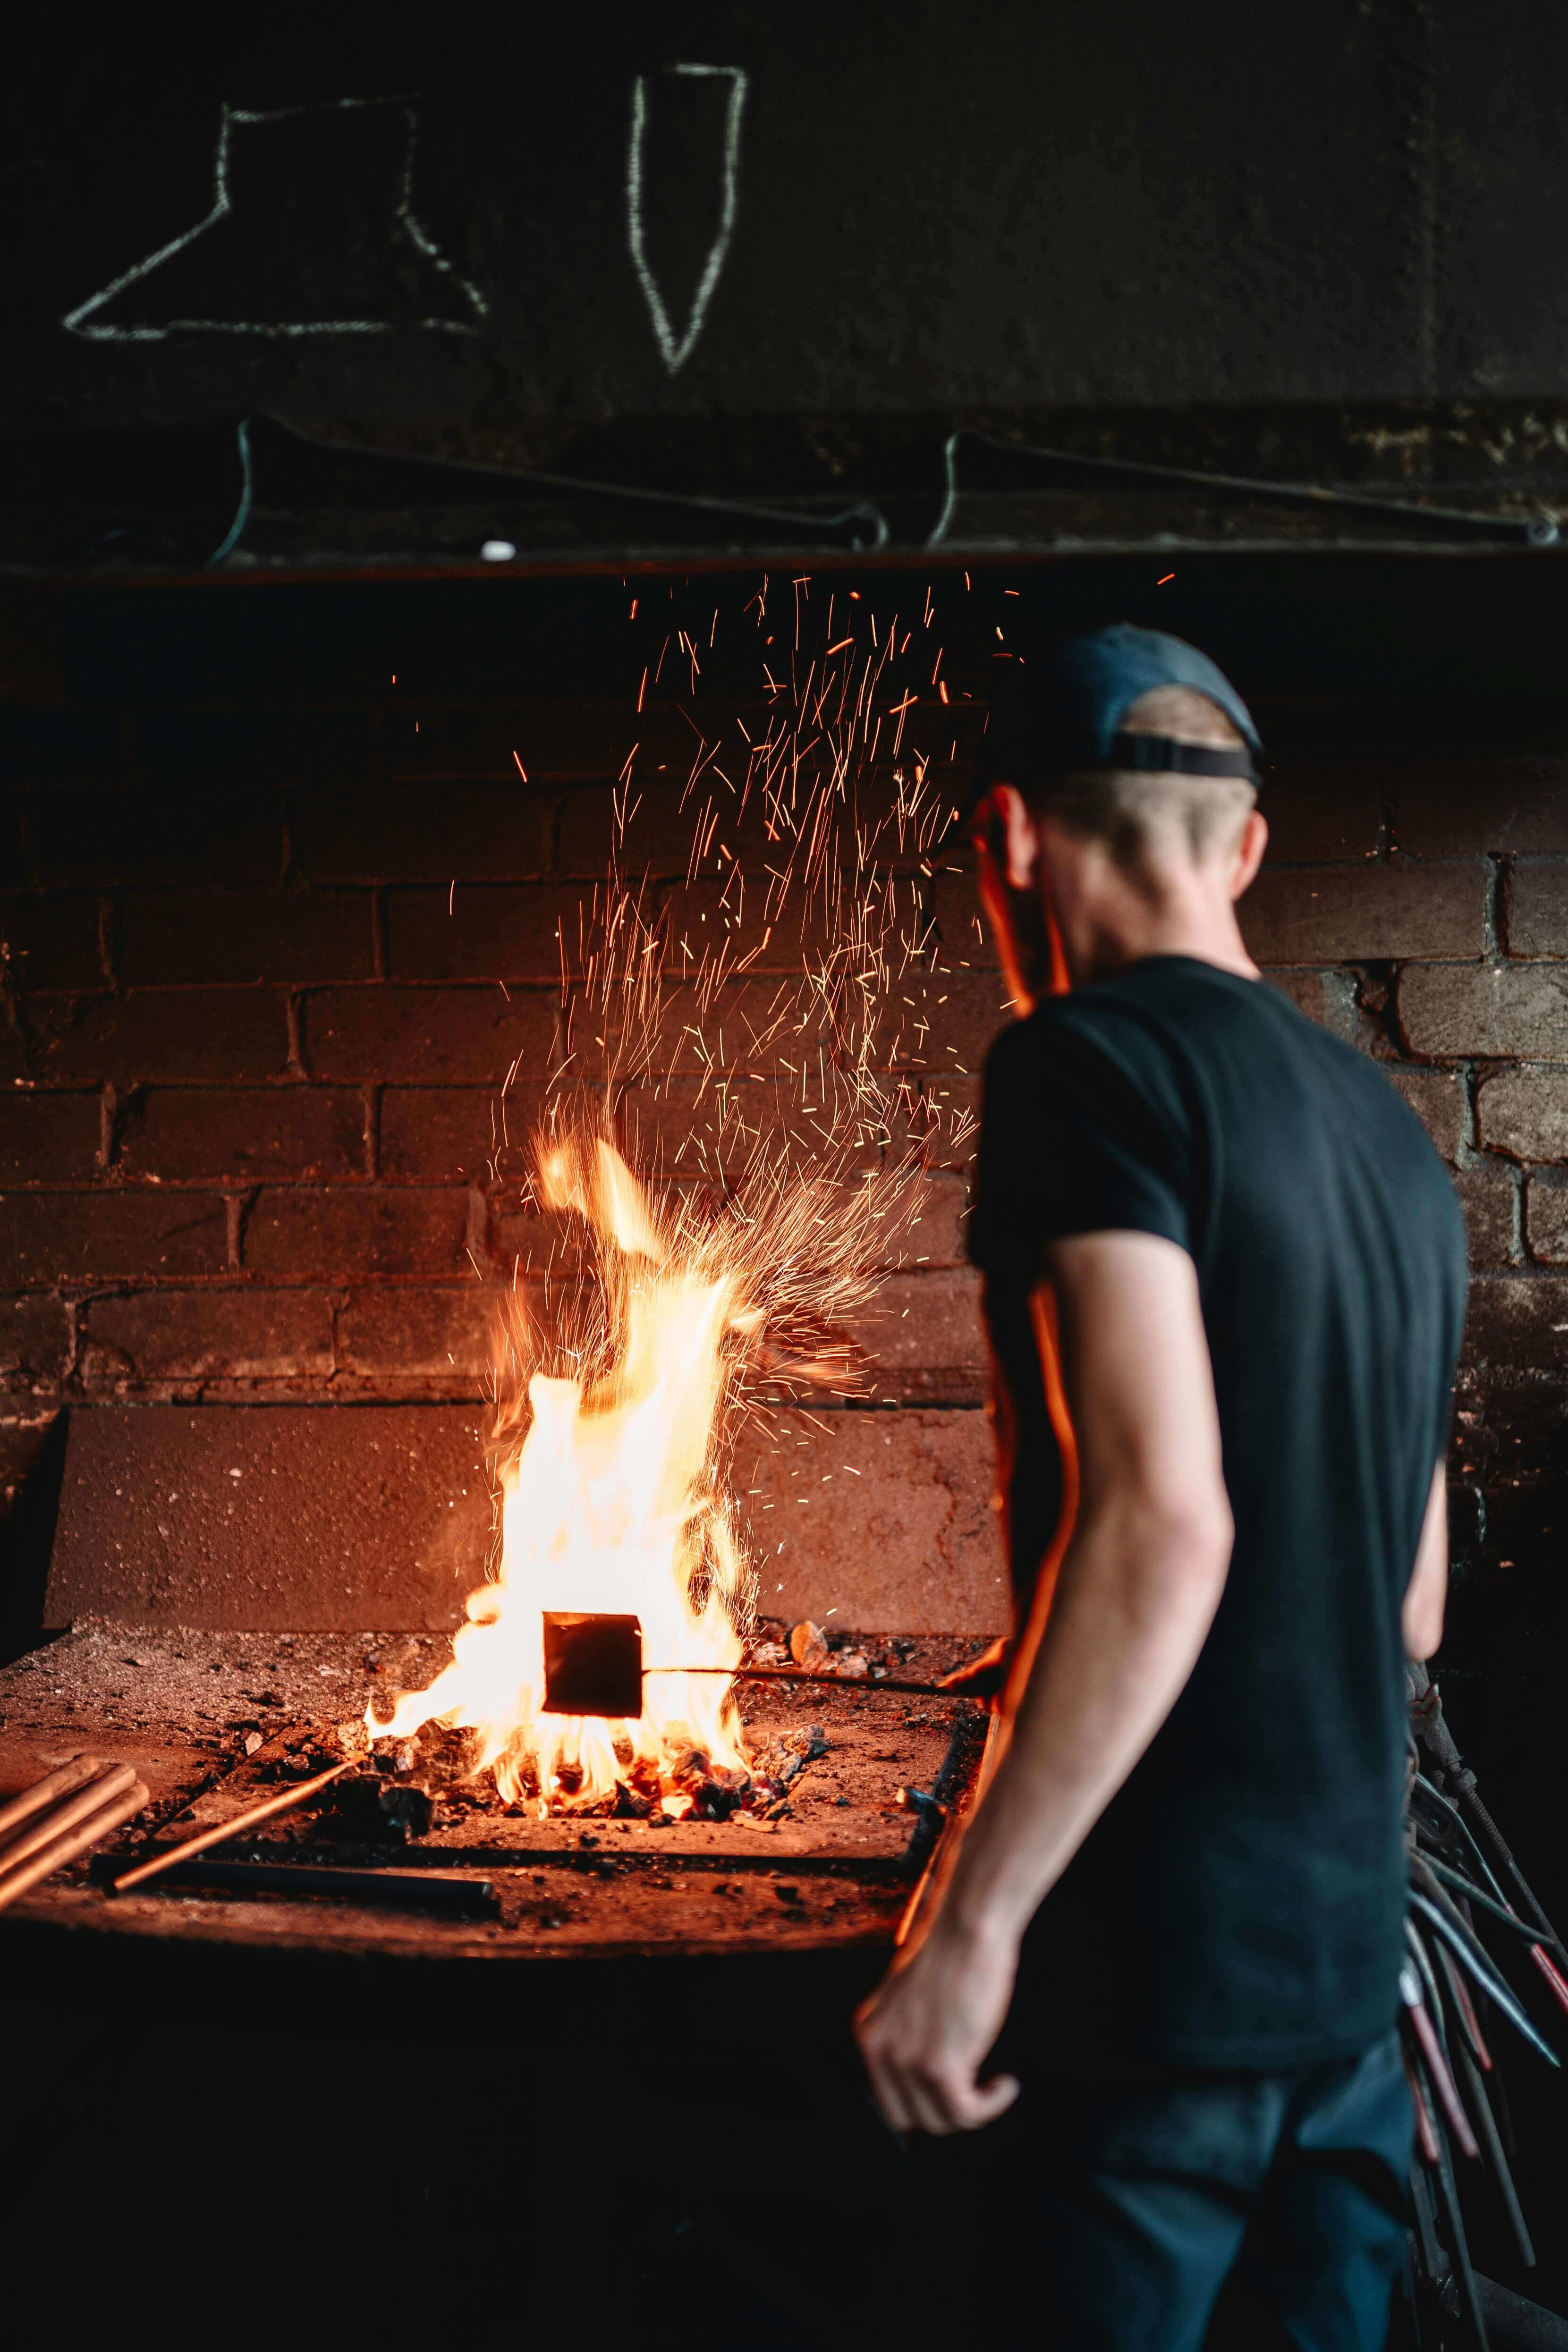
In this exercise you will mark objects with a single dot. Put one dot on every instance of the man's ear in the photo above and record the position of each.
(1021, 841)
(1249, 852)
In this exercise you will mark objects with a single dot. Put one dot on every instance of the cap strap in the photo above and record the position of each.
(1162, 755)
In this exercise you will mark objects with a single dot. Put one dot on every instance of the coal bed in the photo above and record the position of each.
(405, 1857)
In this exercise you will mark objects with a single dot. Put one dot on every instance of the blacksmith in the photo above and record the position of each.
(1224, 1266)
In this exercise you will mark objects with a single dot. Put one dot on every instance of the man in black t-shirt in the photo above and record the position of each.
(1224, 1281)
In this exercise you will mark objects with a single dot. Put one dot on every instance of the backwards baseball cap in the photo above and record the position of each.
(1062, 716)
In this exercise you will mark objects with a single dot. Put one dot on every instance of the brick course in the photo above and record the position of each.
(51, 940)
(449, 1035)
(1547, 1221)
(1316, 914)
(320, 1237)
(421, 833)
(1535, 909)
(482, 932)
(1524, 1112)
(60, 1238)
(36, 1340)
(184, 1036)
(184, 938)
(206, 1335)
(49, 1138)
(1497, 1012)
(185, 1134)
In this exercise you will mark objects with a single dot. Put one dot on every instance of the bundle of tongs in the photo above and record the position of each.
(1472, 1923)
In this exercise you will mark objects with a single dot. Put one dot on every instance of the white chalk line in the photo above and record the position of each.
(676, 350)
(76, 321)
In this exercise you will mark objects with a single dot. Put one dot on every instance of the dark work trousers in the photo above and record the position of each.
(1199, 2210)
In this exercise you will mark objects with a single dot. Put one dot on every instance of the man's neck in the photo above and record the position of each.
(1183, 919)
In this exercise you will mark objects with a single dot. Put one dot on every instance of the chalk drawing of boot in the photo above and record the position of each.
(682, 193)
(312, 231)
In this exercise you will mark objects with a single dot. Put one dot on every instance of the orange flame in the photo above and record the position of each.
(612, 1503)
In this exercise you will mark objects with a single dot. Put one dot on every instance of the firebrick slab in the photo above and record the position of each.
(271, 1516)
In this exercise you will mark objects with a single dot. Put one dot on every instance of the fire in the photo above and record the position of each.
(795, 1136)
(613, 1501)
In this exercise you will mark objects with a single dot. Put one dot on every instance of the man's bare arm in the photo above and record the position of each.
(1427, 1590)
(1136, 1594)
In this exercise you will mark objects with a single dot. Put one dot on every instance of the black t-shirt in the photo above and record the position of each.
(1240, 1901)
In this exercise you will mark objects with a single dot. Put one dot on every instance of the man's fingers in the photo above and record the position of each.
(989, 2100)
(929, 2103)
(888, 2090)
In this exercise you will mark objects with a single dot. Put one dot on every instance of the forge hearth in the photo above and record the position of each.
(214, 1720)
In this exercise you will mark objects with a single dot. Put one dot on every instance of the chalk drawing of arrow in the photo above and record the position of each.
(675, 349)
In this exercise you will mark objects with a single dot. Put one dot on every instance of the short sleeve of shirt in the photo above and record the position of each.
(1074, 1138)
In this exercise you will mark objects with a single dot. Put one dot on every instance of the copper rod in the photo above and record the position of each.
(65, 1849)
(222, 1830)
(43, 1792)
(800, 1674)
(62, 1817)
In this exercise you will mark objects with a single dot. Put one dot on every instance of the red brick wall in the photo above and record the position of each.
(266, 964)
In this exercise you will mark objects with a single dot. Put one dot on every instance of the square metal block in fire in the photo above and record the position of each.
(593, 1664)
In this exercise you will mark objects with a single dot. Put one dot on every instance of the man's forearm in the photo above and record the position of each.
(1134, 1601)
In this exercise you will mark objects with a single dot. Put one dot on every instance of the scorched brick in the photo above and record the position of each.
(1437, 1098)
(1519, 1322)
(938, 1235)
(1367, 913)
(1455, 808)
(428, 1335)
(1326, 810)
(1451, 1010)
(51, 942)
(48, 1138)
(961, 925)
(36, 1340)
(701, 918)
(453, 1034)
(184, 1134)
(554, 740)
(206, 1335)
(457, 1134)
(185, 937)
(322, 1236)
(119, 834)
(1535, 910)
(416, 833)
(941, 1022)
(1486, 1196)
(1524, 1112)
(179, 1035)
(926, 1327)
(113, 1234)
(484, 931)
(1546, 1221)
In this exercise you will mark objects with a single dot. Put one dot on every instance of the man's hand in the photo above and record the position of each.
(925, 2031)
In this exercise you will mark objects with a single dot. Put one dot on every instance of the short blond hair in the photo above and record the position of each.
(1141, 814)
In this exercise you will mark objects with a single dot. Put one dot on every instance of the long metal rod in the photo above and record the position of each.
(222, 1830)
(66, 1848)
(57, 1783)
(63, 1815)
(799, 1675)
